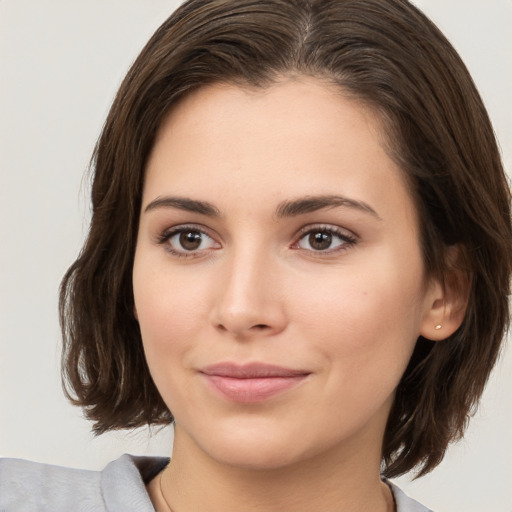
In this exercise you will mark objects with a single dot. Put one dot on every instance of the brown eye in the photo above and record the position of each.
(328, 240)
(320, 241)
(190, 240)
(184, 241)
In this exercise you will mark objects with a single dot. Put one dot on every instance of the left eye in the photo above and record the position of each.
(323, 240)
(189, 241)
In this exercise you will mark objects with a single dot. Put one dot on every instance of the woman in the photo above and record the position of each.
(299, 252)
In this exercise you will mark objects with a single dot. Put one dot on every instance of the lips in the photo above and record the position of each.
(253, 382)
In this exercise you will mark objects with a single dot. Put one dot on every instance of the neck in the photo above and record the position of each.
(334, 481)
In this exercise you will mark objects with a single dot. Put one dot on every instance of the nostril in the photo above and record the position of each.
(260, 326)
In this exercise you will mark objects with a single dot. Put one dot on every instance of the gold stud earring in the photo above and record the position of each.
(438, 326)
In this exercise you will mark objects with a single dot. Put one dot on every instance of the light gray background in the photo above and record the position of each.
(60, 65)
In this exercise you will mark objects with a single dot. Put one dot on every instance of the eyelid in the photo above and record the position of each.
(349, 237)
(165, 235)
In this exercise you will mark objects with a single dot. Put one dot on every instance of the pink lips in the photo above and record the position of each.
(253, 382)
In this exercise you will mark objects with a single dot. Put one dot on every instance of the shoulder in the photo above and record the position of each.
(403, 502)
(32, 486)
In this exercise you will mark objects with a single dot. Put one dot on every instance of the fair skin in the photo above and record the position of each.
(234, 264)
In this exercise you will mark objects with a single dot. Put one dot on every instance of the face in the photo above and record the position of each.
(278, 278)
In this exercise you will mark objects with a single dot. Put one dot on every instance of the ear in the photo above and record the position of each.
(447, 298)
(135, 314)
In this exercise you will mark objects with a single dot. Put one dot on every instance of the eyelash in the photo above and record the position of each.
(347, 240)
(167, 235)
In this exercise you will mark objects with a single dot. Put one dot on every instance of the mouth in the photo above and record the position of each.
(251, 383)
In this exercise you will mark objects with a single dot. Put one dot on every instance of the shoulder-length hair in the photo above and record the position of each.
(385, 53)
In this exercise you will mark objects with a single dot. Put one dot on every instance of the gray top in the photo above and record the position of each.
(33, 487)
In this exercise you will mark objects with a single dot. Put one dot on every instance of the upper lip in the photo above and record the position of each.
(250, 371)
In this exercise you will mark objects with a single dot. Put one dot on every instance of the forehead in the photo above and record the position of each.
(284, 140)
(299, 106)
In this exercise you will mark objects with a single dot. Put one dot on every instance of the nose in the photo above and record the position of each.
(249, 299)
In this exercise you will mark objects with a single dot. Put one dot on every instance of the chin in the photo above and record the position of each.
(254, 446)
(254, 456)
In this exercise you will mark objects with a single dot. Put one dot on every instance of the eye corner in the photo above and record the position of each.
(188, 241)
(324, 239)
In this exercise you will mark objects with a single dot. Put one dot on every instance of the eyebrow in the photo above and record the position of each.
(183, 203)
(310, 204)
(290, 208)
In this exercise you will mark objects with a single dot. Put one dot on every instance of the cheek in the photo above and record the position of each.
(365, 316)
(169, 310)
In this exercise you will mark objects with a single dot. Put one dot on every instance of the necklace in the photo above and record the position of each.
(395, 509)
(170, 508)
(162, 492)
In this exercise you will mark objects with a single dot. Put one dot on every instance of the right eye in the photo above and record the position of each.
(187, 241)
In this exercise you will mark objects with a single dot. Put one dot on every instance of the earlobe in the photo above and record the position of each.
(447, 299)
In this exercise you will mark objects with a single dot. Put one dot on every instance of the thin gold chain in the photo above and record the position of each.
(162, 492)
(170, 508)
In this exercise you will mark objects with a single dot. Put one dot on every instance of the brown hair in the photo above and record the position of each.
(383, 52)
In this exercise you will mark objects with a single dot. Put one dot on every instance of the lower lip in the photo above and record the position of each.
(251, 390)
